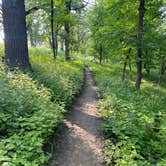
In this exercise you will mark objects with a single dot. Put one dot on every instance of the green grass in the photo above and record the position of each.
(33, 103)
(135, 125)
(1, 50)
(64, 78)
(32, 106)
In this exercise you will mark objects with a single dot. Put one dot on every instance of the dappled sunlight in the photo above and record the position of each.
(89, 140)
(82, 139)
(153, 86)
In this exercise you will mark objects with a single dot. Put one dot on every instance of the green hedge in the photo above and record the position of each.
(135, 121)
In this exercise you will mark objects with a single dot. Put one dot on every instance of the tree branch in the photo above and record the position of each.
(32, 10)
(35, 8)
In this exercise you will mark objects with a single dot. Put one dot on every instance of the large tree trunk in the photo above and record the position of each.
(52, 29)
(16, 47)
(139, 44)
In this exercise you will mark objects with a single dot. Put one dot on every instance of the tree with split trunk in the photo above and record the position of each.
(14, 22)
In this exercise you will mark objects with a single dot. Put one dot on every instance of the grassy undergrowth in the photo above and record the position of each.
(63, 78)
(32, 106)
(135, 125)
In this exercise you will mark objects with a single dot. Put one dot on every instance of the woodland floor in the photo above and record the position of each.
(81, 140)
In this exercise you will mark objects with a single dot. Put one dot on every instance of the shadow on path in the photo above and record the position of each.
(81, 139)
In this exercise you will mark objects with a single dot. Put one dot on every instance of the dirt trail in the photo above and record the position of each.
(81, 141)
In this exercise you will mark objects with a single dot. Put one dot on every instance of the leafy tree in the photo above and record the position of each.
(128, 32)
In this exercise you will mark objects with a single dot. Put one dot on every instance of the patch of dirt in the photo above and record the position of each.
(81, 140)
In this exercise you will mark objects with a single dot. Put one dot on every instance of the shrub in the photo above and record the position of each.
(32, 106)
(135, 121)
(40, 51)
(27, 118)
(65, 79)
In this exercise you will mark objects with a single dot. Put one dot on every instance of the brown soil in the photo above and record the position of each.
(81, 140)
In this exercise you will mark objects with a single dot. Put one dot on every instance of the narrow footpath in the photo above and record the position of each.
(81, 141)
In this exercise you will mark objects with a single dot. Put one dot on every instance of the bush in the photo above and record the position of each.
(27, 118)
(40, 51)
(32, 106)
(135, 127)
(65, 79)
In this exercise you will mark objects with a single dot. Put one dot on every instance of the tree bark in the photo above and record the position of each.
(139, 44)
(52, 29)
(67, 30)
(67, 42)
(14, 22)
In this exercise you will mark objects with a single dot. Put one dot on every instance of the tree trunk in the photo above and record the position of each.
(130, 67)
(56, 43)
(52, 29)
(67, 42)
(31, 37)
(124, 68)
(125, 64)
(14, 22)
(30, 34)
(67, 30)
(61, 44)
(139, 44)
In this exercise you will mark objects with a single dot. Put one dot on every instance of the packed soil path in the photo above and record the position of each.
(81, 142)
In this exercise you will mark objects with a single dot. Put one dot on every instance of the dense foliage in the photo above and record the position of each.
(31, 108)
(118, 34)
(115, 34)
(65, 32)
(135, 121)
(63, 78)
